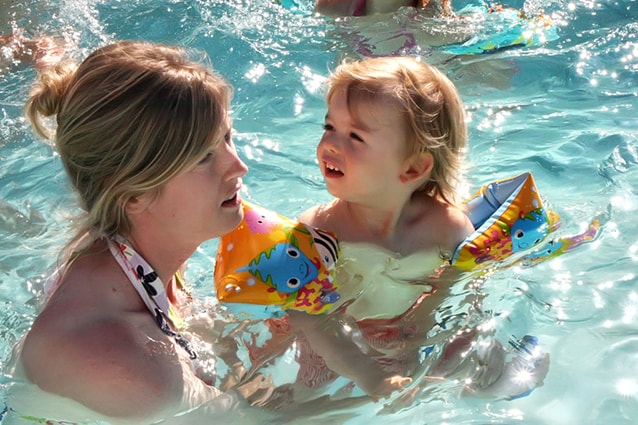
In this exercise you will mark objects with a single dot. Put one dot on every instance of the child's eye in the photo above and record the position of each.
(356, 137)
(228, 138)
(328, 127)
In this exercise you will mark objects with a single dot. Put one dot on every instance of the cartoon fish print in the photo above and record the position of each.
(529, 230)
(551, 249)
(560, 246)
(284, 267)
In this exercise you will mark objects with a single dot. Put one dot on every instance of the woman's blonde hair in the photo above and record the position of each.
(129, 118)
(432, 108)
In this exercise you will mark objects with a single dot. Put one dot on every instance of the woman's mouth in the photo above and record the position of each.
(233, 201)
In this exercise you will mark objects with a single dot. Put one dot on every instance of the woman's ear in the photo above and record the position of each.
(417, 167)
(137, 204)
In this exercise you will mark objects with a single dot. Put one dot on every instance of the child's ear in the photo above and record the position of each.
(417, 166)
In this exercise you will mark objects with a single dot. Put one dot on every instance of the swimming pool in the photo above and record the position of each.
(564, 110)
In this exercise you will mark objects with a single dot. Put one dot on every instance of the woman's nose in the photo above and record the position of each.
(239, 168)
(235, 166)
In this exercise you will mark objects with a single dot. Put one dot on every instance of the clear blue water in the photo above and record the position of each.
(567, 113)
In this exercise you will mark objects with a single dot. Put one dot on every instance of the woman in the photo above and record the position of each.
(145, 139)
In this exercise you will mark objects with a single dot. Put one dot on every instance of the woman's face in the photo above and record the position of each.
(203, 202)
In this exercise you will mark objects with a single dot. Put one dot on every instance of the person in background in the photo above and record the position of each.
(18, 45)
(41, 52)
(426, 27)
(144, 135)
(430, 8)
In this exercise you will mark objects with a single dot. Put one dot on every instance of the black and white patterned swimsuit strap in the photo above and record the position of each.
(151, 289)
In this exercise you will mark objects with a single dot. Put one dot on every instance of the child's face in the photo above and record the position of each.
(362, 155)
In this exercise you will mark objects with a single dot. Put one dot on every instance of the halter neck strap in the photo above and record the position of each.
(150, 289)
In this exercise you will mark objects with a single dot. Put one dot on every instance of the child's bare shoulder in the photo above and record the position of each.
(309, 216)
(318, 216)
(457, 226)
(447, 223)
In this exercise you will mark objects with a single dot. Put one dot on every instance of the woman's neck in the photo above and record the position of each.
(166, 259)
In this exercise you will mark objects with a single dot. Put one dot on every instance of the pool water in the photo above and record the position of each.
(565, 109)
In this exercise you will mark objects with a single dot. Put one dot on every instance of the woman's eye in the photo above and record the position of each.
(207, 158)
(228, 138)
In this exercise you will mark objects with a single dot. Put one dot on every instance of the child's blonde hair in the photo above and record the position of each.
(430, 103)
(130, 117)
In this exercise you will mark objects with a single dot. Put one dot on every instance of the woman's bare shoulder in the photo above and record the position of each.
(107, 365)
(98, 347)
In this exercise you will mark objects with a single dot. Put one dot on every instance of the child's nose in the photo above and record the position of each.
(330, 142)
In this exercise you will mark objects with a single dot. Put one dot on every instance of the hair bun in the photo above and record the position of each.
(47, 95)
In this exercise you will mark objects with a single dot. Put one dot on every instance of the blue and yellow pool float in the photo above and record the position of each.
(510, 28)
(272, 260)
(508, 217)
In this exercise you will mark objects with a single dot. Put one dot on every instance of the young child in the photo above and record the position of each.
(392, 154)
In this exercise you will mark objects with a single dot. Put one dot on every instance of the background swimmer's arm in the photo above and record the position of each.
(42, 52)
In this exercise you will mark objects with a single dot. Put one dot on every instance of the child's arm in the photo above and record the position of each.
(338, 342)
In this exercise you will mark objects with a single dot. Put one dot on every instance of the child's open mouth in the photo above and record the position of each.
(332, 171)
